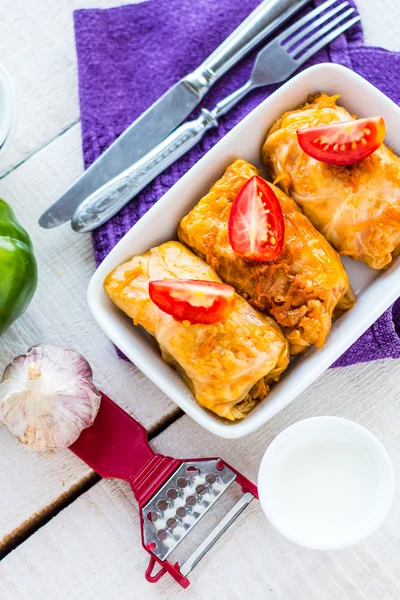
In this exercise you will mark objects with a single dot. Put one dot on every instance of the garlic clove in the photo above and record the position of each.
(47, 397)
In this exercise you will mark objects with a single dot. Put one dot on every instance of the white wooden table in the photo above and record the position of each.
(66, 534)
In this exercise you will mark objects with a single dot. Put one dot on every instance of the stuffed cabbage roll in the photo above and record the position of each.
(229, 365)
(356, 207)
(300, 289)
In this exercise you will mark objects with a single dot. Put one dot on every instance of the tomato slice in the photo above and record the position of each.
(193, 300)
(343, 143)
(256, 228)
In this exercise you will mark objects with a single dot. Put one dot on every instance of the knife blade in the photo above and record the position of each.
(136, 141)
(160, 119)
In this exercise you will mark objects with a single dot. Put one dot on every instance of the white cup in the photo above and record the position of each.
(326, 483)
(8, 108)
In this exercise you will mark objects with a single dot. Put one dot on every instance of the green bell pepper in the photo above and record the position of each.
(18, 268)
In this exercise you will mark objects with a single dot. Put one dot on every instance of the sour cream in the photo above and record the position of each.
(326, 483)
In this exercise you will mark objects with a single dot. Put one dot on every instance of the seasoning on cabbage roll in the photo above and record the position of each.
(301, 288)
(356, 207)
(228, 366)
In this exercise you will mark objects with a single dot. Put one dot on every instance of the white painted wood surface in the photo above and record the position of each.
(91, 549)
(38, 48)
(59, 313)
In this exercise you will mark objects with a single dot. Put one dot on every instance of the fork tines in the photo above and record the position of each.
(308, 35)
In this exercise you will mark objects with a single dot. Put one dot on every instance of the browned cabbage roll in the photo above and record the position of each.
(301, 288)
(228, 366)
(356, 207)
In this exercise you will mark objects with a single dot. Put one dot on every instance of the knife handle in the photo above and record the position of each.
(253, 30)
(100, 206)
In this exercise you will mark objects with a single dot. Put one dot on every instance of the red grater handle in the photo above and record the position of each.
(115, 445)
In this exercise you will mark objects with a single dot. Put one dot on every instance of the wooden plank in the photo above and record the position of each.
(38, 49)
(91, 550)
(31, 483)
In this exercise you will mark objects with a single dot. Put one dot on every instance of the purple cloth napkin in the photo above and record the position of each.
(129, 56)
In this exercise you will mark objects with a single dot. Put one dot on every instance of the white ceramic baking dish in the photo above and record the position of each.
(375, 290)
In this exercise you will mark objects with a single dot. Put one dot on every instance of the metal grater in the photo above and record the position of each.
(178, 499)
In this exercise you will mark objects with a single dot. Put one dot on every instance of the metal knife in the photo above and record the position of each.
(273, 64)
(170, 110)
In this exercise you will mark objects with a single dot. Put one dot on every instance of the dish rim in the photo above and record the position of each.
(336, 429)
(373, 303)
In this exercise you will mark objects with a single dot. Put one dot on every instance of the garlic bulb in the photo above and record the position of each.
(47, 397)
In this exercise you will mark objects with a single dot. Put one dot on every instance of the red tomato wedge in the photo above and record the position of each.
(256, 228)
(343, 143)
(192, 300)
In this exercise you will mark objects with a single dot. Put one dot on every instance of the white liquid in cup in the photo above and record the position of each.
(325, 483)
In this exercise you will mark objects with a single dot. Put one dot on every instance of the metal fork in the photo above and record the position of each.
(274, 63)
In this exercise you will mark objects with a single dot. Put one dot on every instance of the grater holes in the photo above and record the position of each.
(181, 512)
(192, 471)
(187, 508)
(162, 505)
(151, 546)
(152, 516)
(162, 535)
(172, 523)
(172, 494)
